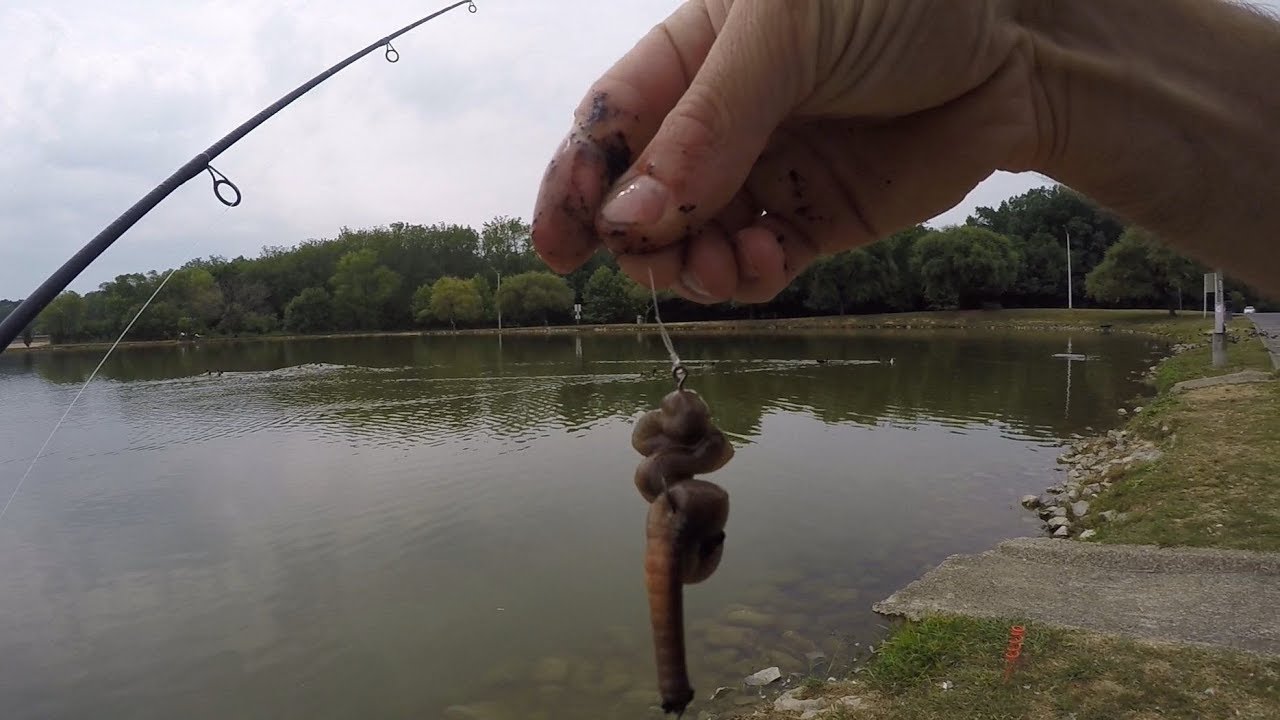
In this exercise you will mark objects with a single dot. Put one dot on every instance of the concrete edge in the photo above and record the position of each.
(1121, 558)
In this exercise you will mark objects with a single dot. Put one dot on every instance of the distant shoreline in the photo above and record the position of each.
(1147, 322)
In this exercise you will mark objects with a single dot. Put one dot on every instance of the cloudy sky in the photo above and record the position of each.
(101, 101)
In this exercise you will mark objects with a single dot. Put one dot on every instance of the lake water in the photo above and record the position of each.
(388, 527)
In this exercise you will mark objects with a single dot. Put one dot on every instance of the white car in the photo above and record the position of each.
(1249, 309)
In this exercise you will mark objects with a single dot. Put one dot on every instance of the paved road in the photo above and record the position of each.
(1269, 325)
(1225, 598)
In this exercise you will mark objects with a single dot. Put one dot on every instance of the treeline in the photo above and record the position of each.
(406, 276)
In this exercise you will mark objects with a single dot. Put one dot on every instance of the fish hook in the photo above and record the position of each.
(678, 371)
(220, 181)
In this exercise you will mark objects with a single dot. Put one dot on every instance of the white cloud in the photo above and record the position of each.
(102, 101)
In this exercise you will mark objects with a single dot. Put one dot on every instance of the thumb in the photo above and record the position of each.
(704, 149)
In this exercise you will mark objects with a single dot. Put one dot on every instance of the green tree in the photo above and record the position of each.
(1038, 222)
(611, 296)
(906, 292)
(1138, 270)
(505, 245)
(481, 284)
(361, 289)
(261, 323)
(160, 321)
(7, 306)
(421, 305)
(196, 293)
(862, 277)
(62, 319)
(535, 295)
(640, 296)
(455, 299)
(310, 311)
(964, 266)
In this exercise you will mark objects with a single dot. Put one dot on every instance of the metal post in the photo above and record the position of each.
(498, 303)
(1219, 306)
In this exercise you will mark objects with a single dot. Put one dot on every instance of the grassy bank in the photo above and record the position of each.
(1216, 484)
(955, 668)
(1150, 322)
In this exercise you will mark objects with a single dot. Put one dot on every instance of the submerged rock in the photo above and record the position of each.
(551, 671)
(730, 636)
(749, 618)
(796, 642)
(763, 677)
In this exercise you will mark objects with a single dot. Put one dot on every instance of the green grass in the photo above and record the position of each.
(1244, 354)
(1060, 674)
(1218, 482)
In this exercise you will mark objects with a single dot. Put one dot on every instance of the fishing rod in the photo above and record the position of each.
(12, 325)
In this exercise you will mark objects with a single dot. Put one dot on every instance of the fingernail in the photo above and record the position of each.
(691, 281)
(641, 202)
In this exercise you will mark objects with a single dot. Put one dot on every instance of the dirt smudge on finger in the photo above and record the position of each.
(617, 156)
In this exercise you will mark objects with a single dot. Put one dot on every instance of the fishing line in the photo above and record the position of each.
(85, 385)
(93, 375)
(678, 370)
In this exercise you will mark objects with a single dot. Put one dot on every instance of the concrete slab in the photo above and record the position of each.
(1220, 598)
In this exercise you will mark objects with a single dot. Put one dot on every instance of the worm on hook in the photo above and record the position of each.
(684, 531)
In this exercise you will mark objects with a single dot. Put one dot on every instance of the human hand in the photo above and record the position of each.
(737, 141)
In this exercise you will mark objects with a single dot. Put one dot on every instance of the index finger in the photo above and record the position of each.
(616, 119)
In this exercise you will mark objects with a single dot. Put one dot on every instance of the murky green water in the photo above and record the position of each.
(385, 528)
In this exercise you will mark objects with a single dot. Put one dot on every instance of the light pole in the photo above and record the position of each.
(496, 304)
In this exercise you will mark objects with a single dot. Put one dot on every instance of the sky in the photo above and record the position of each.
(99, 102)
